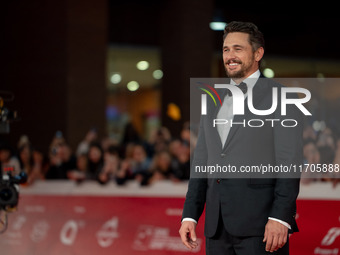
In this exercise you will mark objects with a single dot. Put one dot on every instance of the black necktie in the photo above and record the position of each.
(242, 86)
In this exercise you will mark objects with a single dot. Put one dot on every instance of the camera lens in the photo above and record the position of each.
(6, 194)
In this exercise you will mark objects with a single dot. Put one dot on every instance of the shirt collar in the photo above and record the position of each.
(250, 80)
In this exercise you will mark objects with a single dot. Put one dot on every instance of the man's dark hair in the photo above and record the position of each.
(256, 39)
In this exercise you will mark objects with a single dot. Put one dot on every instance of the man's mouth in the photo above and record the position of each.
(233, 64)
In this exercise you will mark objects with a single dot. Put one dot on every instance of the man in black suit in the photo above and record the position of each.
(245, 215)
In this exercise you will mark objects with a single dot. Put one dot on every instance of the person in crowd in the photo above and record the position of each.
(124, 173)
(309, 133)
(83, 147)
(140, 164)
(174, 147)
(159, 140)
(9, 162)
(39, 168)
(326, 139)
(111, 165)
(130, 136)
(188, 136)
(80, 173)
(109, 142)
(326, 144)
(26, 158)
(311, 156)
(332, 159)
(25, 154)
(161, 167)
(181, 160)
(32, 161)
(61, 158)
(326, 154)
(335, 175)
(95, 161)
(56, 141)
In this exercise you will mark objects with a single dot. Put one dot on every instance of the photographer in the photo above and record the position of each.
(61, 158)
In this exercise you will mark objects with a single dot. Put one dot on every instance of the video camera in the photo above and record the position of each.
(9, 192)
(9, 195)
(9, 189)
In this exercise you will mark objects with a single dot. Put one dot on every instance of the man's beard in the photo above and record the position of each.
(242, 72)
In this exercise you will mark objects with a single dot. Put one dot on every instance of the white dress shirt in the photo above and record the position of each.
(226, 112)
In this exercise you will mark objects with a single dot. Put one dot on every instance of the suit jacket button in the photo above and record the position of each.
(218, 181)
(223, 155)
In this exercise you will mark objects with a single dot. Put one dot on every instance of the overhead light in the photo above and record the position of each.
(143, 65)
(132, 86)
(116, 78)
(157, 74)
(217, 25)
(269, 73)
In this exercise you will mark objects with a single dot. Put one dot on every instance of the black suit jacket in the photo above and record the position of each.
(246, 203)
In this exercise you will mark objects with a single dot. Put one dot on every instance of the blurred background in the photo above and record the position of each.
(72, 66)
(101, 88)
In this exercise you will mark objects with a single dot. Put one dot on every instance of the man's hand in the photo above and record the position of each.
(188, 234)
(275, 235)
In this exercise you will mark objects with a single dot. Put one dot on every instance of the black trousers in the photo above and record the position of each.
(225, 244)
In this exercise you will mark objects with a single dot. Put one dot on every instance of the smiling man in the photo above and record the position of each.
(242, 51)
(244, 216)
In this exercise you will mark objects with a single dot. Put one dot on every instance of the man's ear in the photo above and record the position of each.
(259, 54)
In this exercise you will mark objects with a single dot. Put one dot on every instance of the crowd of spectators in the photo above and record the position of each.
(321, 152)
(160, 157)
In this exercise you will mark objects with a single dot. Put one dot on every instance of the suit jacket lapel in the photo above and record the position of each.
(237, 119)
(222, 93)
(259, 91)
